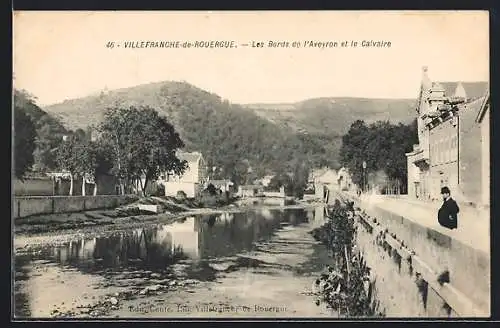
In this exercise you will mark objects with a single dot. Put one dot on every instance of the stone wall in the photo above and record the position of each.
(34, 187)
(396, 284)
(440, 252)
(27, 206)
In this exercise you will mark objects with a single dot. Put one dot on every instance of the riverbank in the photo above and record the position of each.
(59, 228)
(250, 264)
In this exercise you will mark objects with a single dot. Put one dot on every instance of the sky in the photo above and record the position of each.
(63, 55)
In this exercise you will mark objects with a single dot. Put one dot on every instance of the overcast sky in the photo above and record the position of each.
(62, 55)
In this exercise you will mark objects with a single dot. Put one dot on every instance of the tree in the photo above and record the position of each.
(382, 146)
(24, 142)
(103, 161)
(86, 161)
(143, 144)
(67, 159)
(49, 131)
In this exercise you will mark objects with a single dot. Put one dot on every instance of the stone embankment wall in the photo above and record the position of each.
(407, 264)
(27, 206)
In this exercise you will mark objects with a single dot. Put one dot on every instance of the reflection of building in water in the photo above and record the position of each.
(265, 213)
(86, 249)
(319, 216)
(184, 235)
(310, 215)
(225, 217)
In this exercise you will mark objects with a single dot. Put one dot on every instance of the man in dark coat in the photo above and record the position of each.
(448, 213)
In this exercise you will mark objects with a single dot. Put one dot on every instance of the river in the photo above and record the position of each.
(257, 263)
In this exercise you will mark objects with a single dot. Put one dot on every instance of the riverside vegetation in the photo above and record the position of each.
(346, 286)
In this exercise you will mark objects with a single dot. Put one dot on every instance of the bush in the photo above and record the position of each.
(181, 195)
(211, 189)
(211, 197)
(343, 286)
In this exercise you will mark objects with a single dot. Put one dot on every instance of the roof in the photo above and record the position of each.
(474, 106)
(329, 175)
(59, 174)
(484, 106)
(220, 182)
(473, 90)
(189, 157)
(249, 187)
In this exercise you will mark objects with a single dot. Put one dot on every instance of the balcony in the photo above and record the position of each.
(421, 157)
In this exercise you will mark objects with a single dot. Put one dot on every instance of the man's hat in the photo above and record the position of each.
(445, 190)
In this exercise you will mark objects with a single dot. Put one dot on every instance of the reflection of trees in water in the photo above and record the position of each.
(139, 248)
(223, 237)
(21, 299)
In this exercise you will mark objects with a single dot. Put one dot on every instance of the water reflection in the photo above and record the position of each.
(199, 239)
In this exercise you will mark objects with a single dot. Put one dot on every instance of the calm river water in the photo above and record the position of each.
(256, 263)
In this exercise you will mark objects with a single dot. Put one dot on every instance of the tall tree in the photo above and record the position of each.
(49, 131)
(67, 159)
(143, 143)
(24, 142)
(382, 146)
(86, 161)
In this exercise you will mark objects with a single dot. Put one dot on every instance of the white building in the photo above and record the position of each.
(193, 179)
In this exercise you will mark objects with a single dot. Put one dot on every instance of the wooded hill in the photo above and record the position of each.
(233, 137)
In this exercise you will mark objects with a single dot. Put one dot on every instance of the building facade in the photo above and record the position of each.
(448, 153)
(193, 179)
(483, 119)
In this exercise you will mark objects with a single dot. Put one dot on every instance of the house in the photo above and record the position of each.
(450, 143)
(323, 178)
(344, 181)
(266, 180)
(329, 176)
(191, 181)
(251, 191)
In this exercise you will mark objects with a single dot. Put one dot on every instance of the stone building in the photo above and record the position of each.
(450, 142)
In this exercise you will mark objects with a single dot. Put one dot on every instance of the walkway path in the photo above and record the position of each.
(473, 224)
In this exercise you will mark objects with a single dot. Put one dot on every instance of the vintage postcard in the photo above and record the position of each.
(251, 164)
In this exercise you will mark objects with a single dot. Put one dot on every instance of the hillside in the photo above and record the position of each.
(335, 115)
(235, 137)
(49, 130)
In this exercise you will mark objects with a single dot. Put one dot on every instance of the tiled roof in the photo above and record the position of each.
(189, 157)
